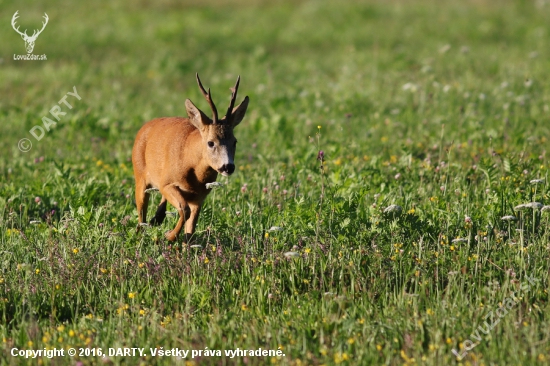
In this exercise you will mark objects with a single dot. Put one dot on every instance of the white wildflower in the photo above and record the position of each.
(426, 69)
(393, 208)
(536, 205)
(275, 228)
(508, 218)
(445, 48)
(214, 185)
(410, 86)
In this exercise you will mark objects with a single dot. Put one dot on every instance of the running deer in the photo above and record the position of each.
(179, 156)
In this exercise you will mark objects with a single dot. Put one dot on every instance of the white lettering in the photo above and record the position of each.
(75, 94)
(38, 138)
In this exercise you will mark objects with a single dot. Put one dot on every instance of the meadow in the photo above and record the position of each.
(389, 247)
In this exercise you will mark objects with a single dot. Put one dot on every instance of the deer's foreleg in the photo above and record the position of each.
(191, 223)
(174, 196)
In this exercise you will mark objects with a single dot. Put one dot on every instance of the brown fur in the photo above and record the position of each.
(173, 155)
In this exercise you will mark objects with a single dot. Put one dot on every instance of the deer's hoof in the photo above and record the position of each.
(170, 236)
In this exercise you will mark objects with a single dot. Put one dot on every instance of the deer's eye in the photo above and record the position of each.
(210, 143)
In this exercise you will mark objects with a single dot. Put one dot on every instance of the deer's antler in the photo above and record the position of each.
(208, 97)
(13, 21)
(35, 34)
(233, 97)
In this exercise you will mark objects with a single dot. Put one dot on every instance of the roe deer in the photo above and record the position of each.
(178, 156)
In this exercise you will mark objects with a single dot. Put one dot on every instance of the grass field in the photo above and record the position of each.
(439, 107)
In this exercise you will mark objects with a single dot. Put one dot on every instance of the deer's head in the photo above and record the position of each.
(218, 139)
(29, 40)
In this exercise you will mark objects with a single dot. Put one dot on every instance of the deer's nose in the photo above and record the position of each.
(227, 168)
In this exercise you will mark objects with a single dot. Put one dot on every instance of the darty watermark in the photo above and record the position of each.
(38, 132)
(491, 321)
(29, 40)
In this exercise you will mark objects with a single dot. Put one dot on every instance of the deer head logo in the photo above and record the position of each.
(29, 40)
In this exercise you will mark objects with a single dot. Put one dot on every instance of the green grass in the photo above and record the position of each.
(438, 107)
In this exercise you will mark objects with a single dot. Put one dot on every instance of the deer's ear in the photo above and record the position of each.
(238, 112)
(196, 116)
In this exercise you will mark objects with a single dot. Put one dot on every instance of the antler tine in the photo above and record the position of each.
(43, 24)
(14, 18)
(233, 97)
(13, 21)
(208, 97)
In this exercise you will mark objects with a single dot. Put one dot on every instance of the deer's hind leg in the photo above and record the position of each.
(142, 201)
(160, 214)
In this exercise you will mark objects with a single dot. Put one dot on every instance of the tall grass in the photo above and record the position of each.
(440, 108)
